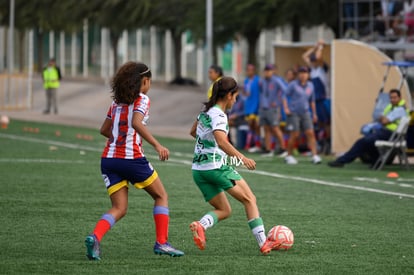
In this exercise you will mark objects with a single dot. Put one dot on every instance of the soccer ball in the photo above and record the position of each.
(4, 121)
(283, 235)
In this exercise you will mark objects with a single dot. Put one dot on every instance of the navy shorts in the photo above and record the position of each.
(323, 110)
(116, 173)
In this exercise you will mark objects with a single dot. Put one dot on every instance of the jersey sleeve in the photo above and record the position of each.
(142, 104)
(219, 122)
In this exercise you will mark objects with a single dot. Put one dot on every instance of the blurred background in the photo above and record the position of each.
(180, 39)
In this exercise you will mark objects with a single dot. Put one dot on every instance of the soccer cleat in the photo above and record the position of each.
(167, 249)
(268, 246)
(335, 163)
(268, 154)
(316, 159)
(290, 160)
(254, 150)
(198, 235)
(282, 153)
(93, 250)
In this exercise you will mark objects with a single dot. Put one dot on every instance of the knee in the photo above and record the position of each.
(121, 211)
(161, 195)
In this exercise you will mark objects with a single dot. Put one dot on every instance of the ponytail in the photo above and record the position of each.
(221, 88)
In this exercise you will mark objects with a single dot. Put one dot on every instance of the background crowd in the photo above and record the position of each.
(283, 113)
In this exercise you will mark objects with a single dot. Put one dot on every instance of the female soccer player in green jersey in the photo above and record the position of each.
(212, 170)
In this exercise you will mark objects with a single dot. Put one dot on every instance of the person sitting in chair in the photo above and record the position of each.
(387, 123)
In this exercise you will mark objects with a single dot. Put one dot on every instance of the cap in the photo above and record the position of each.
(303, 69)
(269, 67)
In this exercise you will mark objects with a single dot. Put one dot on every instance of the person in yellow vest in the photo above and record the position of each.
(387, 123)
(51, 82)
(215, 73)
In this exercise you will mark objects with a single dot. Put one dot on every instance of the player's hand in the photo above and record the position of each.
(287, 111)
(249, 163)
(314, 118)
(163, 152)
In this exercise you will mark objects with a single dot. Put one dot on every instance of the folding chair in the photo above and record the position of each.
(396, 144)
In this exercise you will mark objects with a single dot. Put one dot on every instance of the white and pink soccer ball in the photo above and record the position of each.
(283, 235)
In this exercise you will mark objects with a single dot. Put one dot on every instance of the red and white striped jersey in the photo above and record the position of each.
(125, 142)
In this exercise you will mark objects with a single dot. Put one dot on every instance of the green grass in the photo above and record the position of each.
(52, 195)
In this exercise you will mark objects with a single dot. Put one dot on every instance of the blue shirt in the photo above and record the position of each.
(251, 104)
(299, 96)
(271, 93)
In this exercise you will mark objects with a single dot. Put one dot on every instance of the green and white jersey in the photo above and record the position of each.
(207, 154)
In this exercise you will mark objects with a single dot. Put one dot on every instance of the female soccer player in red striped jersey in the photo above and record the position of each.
(123, 159)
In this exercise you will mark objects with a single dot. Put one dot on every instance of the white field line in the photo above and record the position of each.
(28, 160)
(388, 182)
(187, 162)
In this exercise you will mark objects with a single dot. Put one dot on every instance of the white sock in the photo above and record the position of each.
(207, 221)
(259, 234)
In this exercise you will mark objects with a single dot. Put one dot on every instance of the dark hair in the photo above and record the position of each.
(220, 90)
(126, 84)
(395, 91)
(217, 69)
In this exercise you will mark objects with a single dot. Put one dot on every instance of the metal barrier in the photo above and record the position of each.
(15, 92)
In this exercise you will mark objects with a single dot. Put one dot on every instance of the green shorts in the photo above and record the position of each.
(213, 182)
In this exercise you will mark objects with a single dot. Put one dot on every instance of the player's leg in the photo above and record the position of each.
(119, 200)
(279, 135)
(212, 183)
(307, 126)
(160, 211)
(292, 125)
(48, 101)
(268, 137)
(276, 131)
(242, 192)
(54, 100)
(161, 218)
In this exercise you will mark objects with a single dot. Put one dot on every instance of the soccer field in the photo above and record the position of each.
(346, 221)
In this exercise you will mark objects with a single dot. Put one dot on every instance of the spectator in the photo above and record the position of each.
(388, 123)
(237, 120)
(409, 16)
(296, 103)
(215, 73)
(290, 75)
(51, 77)
(320, 79)
(271, 91)
(251, 107)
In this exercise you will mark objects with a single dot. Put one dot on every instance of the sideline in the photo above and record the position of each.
(29, 160)
(187, 162)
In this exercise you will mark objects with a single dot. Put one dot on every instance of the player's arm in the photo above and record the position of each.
(194, 129)
(143, 131)
(224, 144)
(306, 55)
(313, 105)
(285, 100)
(313, 108)
(106, 128)
(319, 49)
